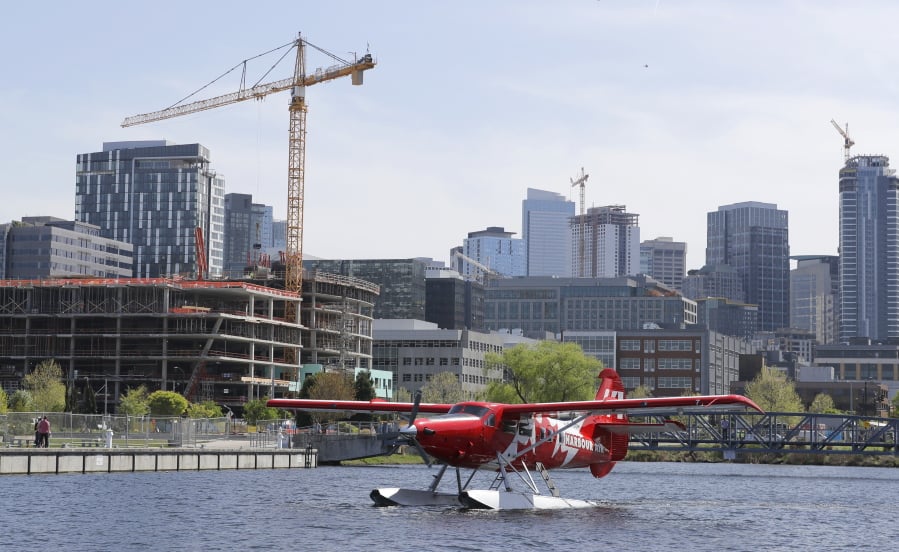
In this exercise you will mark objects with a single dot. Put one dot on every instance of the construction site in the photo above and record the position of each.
(227, 341)
(222, 341)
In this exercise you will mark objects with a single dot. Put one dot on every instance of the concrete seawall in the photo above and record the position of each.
(38, 461)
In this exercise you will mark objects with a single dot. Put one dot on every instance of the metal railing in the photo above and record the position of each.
(17, 429)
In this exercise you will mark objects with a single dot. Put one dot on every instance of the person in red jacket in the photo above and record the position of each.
(43, 430)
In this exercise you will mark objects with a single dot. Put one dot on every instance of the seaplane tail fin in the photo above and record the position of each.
(610, 388)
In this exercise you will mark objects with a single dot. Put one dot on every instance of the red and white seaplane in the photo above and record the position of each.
(513, 439)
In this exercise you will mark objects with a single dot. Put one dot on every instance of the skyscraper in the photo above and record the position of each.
(248, 233)
(153, 195)
(495, 249)
(753, 238)
(814, 296)
(544, 229)
(611, 245)
(869, 249)
(665, 260)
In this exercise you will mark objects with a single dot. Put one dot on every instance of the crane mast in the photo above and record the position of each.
(581, 181)
(293, 279)
(296, 164)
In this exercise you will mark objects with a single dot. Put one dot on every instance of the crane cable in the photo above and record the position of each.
(241, 64)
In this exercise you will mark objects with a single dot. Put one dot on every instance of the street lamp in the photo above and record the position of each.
(865, 400)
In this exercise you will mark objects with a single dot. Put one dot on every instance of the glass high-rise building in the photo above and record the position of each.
(814, 296)
(154, 194)
(544, 229)
(753, 238)
(495, 249)
(248, 233)
(869, 249)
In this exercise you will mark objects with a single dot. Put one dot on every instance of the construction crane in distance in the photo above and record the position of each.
(847, 141)
(293, 278)
(485, 270)
(582, 242)
(582, 182)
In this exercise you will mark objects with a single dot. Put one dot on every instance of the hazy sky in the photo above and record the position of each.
(672, 107)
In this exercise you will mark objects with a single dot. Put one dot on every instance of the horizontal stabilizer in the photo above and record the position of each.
(630, 429)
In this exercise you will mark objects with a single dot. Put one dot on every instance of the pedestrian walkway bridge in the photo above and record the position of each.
(776, 432)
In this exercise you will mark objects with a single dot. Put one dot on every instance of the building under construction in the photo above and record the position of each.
(605, 243)
(224, 341)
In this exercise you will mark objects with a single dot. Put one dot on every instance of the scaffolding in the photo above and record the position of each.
(195, 337)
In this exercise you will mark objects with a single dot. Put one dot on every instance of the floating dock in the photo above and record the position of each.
(53, 461)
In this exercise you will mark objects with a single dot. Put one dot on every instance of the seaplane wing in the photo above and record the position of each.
(640, 407)
(630, 407)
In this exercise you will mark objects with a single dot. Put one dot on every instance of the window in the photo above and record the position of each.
(630, 345)
(675, 344)
(675, 364)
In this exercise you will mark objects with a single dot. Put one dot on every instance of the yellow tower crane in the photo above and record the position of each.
(293, 278)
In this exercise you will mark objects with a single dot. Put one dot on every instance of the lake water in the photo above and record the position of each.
(645, 506)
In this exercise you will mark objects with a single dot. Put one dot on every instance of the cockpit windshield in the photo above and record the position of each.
(473, 409)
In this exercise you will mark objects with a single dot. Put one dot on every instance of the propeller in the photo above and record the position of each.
(410, 432)
(416, 404)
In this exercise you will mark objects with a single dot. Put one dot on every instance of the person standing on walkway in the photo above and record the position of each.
(43, 430)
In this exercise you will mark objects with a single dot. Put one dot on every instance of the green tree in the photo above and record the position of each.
(640, 392)
(88, 398)
(774, 392)
(166, 403)
(205, 409)
(402, 395)
(4, 401)
(363, 388)
(135, 402)
(48, 392)
(546, 372)
(21, 401)
(444, 388)
(822, 404)
(71, 398)
(255, 411)
(331, 385)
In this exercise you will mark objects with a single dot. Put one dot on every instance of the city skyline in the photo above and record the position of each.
(673, 109)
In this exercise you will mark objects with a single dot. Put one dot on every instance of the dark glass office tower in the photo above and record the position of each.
(153, 195)
(753, 238)
(869, 249)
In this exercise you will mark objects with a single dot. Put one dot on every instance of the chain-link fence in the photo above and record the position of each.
(18, 429)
